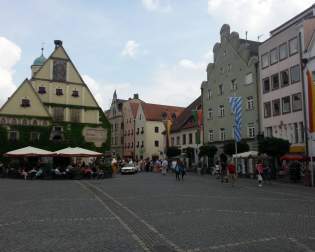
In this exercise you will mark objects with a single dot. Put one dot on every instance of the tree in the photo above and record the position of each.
(208, 151)
(229, 147)
(190, 153)
(274, 147)
(173, 151)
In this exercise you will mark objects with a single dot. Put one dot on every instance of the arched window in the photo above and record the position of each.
(2, 121)
(35, 123)
(24, 122)
(13, 121)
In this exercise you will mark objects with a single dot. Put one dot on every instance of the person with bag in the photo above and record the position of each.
(260, 171)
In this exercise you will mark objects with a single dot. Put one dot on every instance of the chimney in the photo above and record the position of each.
(136, 96)
(58, 43)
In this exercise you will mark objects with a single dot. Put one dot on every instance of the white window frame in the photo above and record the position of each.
(211, 139)
(251, 131)
(250, 103)
(222, 134)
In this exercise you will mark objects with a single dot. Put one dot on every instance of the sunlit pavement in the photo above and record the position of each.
(151, 212)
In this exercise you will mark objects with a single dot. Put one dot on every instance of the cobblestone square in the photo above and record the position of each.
(151, 212)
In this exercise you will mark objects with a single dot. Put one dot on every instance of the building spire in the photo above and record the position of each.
(42, 49)
(115, 95)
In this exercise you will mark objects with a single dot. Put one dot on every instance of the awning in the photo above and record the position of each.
(77, 152)
(29, 151)
(297, 157)
(247, 154)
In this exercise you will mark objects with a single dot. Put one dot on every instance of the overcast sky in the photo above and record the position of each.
(157, 48)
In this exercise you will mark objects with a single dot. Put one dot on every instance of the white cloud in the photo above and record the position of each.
(131, 49)
(10, 54)
(103, 90)
(255, 16)
(176, 85)
(186, 63)
(155, 5)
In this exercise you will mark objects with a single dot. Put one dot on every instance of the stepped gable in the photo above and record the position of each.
(185, 119)
(158, 112)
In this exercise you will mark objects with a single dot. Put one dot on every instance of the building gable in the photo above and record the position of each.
(73, 79)
(14, 104)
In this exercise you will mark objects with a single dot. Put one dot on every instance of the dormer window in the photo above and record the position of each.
(25, 103)
(41, 90)
(75, 93)
(59, 92)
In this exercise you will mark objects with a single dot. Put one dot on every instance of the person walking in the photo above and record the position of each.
(177, 170)
(232, 173)
(164, 167)
(222, 172)
(260, 171)
(182, 170)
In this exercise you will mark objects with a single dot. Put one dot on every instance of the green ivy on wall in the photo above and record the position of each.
(73, 136)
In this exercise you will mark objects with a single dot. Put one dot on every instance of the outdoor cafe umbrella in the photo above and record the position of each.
(77, 152)
(29, 151)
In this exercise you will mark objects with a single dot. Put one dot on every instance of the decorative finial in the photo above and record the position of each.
(43, 43)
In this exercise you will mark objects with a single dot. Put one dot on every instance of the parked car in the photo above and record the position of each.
(129, 169)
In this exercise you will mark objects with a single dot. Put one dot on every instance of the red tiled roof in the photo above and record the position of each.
(156, 112)
(185, 120)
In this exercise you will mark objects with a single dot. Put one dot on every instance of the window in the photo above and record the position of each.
(221, 111)
(297, 102)
(267, 109)
(190, 138)
(295, 74)
(177, 140)
(138, 130)
(209, 94)
(59, 70)
(132, 145)
(156, 143)
(276, 107)
(210, 114)
(266, 85)
(184, 139)
(142, 144)
(302, 131)
(59, 92)
(140, 117)
(25, 103)
(128, 132)
(264, 60)
(296, 133)
(249, 78)
(275, 81)
(284, 75)
(75, 93)
(286, 105)
(58, 114)
(156, 129)
(220, 92)
(293, 46)
(41, 90)
(273, 56)
(35, 123)
(210, 135)
(172, 141)
(251, 130)
(131, 132)
(250, 103)
(75, 115)
(34, 136)
(2, 121)
(233, 85)
(13, 121)
(268, 131)
(13, 135)
(283, 51)
(24, 122)
(142, 130)
(138, 144)
(222, 134)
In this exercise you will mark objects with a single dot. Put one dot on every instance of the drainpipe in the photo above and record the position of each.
(304, 95)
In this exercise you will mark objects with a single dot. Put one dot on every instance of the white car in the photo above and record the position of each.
(129, 169)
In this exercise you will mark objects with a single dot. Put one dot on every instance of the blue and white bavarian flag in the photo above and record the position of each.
(236, 106)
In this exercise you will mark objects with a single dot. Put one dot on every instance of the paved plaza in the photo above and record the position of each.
(151, 212)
